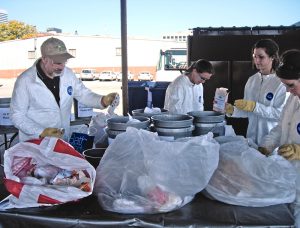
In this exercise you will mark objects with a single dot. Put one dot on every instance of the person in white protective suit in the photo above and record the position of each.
(264, 94)
(286, 135)
(185, 93)
(43, 95)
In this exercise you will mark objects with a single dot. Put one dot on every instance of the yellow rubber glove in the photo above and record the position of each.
(52, 132)
(264, 151)
(290, 151)
(108, 99)
(229, 109)
(245, 105)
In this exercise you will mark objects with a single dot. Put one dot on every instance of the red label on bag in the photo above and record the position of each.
(65, 148)
(13, 187)
(35, 141)
(48, 200)
(60, 147)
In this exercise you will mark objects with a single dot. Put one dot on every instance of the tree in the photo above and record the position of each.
(16, 30)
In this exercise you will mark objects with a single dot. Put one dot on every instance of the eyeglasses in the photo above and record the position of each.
(202, 78)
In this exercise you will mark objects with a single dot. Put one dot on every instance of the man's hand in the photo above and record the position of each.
(108, 99)
(52, 132)
(229, 109)
(290, 151)
(245, 105)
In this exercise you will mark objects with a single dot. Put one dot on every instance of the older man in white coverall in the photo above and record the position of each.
(286, 135)
(42, 97)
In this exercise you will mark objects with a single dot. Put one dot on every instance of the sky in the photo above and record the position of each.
(149, 18)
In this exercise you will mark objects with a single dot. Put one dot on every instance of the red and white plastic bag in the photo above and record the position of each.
(45, 172)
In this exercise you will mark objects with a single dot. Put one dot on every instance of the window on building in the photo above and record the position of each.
(118, 51)
(31, 54)
(72, 52)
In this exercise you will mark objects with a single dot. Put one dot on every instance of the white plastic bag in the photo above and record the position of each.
(139, 173)
(54, 155)
(246, 177)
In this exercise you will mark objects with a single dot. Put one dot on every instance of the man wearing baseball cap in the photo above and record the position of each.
(43, 95)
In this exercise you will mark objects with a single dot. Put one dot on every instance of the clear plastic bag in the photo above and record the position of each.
(139, 173)
(98, 124)
(246, 177)
(97, 128)
(53, 157)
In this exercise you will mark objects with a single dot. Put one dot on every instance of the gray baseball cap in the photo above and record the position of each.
(55, 49)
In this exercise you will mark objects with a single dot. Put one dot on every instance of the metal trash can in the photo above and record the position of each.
(208, 121)
(118, 125)
(173, 126)
(93, 156)
(140, 112)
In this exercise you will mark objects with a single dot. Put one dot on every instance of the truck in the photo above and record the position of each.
(171, 63)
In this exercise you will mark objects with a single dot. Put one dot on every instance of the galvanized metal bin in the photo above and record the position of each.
(208, 121)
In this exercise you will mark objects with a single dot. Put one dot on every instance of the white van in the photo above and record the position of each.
(89, 74)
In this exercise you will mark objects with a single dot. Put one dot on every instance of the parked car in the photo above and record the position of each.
(88, 74)
(145, 76)
(130, 76)
(107, 75)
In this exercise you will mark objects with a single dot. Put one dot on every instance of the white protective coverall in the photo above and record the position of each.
(182, 96)
(288, 132)
(288, 129)
(34, 108)
(270, 96)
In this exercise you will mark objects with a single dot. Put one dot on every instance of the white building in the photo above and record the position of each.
(97, 52)
(3, 16)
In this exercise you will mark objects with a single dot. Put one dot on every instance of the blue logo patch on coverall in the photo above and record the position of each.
(199, 99)
(298, 128)
(69, 90)
(269, 96)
